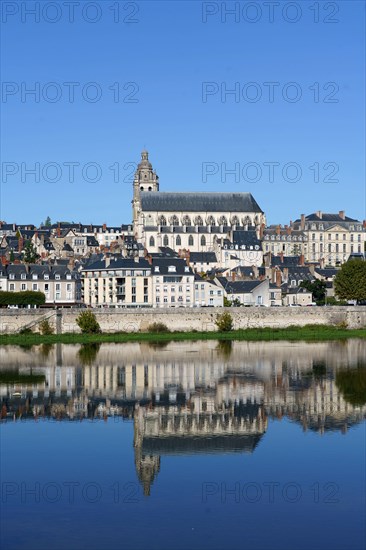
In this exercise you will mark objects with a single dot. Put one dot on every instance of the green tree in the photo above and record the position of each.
(11, 256)
(30, 255)
(350, 282)
(224, 322)
(317, 288)
(88, 323)
(48, 222)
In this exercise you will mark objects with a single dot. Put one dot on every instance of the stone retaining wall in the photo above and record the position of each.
(202, 319)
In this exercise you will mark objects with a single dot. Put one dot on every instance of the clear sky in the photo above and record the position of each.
(160, 73)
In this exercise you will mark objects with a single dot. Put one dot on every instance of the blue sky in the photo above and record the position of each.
(172, 62)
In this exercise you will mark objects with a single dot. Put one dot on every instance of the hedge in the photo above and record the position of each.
(25, 298)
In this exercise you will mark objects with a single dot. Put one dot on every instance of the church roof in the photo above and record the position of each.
(156, 201)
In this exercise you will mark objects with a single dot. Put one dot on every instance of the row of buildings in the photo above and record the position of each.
(181, 250)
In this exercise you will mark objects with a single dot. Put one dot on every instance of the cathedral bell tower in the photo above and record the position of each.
(145, 179)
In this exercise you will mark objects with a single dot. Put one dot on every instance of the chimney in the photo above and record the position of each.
(289, 230)
(302, 223)
(342, 214)
(278, 229)
(59, 231)
(285, 274)
(107, 261)
(278, 278)
(149, 259)
(319, 213)
(281, 256)
(104, 227)
(233, 276)
(302, 260)
(261, 230)
(20, 244)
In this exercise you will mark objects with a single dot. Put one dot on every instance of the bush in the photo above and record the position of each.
(224, 322)
(26, 330)
(45, 328)
(155, 328)
(87, 322)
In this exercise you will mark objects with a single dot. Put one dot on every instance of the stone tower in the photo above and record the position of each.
(145, 179)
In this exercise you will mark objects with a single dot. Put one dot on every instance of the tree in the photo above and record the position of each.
(317, 288)
(48, 222)
(88, 323)
(224, 322)
(11, 256)
(350, 282)
(30, 254)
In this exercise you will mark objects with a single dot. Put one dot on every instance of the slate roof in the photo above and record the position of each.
(157, 201)
(327, 272)
(288, 261)
(238, 287)
(203, 257)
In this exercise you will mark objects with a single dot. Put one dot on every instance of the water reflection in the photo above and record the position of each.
(190, 397)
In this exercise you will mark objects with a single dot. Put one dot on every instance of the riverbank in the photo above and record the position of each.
(310, 333)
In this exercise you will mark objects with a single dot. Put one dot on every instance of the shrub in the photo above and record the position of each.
(157, 327)
(87, 322)
(26, 330)
(224, 322)
(45, 328)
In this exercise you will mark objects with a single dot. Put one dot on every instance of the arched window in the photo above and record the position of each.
(190, 240)
(152, 241)
(187, 220)
(198, 220)
(247, 220)
(222, 220)
(210, 220)
(166, 240)
(235, 220)
(178, 240)
(174, 220)
(162, 220)
(203, 240)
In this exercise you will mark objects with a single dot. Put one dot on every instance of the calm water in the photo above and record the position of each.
(184, 446)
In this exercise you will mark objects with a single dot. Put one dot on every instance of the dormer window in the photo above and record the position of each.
(293, 282)
(11, 276)
(46, 277)
(172, 269)
(57, 277)
(34, 277)
(186, 269)
(157, 269)
(23, 276)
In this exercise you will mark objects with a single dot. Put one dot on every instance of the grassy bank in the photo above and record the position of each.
(311, 333)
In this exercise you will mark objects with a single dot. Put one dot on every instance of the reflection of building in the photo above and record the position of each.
(188, 397)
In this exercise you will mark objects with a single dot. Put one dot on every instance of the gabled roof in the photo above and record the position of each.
(238, 287)
(156, 201)
(203, 257)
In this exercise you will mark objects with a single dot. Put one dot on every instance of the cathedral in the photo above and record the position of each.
(190, 221)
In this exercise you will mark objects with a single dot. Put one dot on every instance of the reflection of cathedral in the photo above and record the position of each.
(190, 397)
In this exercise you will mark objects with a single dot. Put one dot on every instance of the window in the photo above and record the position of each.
(174, 220)
(190, 240)
(57, 277)
(203, 240)
(162, 220)
(152, 241)
(211, 220)
(165, 240)
(222, 220)
(11, 286)
(187, 220)
(46, 277)
(68, 287)
(58, 286)
(313, 236)
(23, 286)
(23, 276)
(198, 220)
(46, 287)
(35, 286)
(178, 241)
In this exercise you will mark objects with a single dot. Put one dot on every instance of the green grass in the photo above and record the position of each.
(311, 333)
